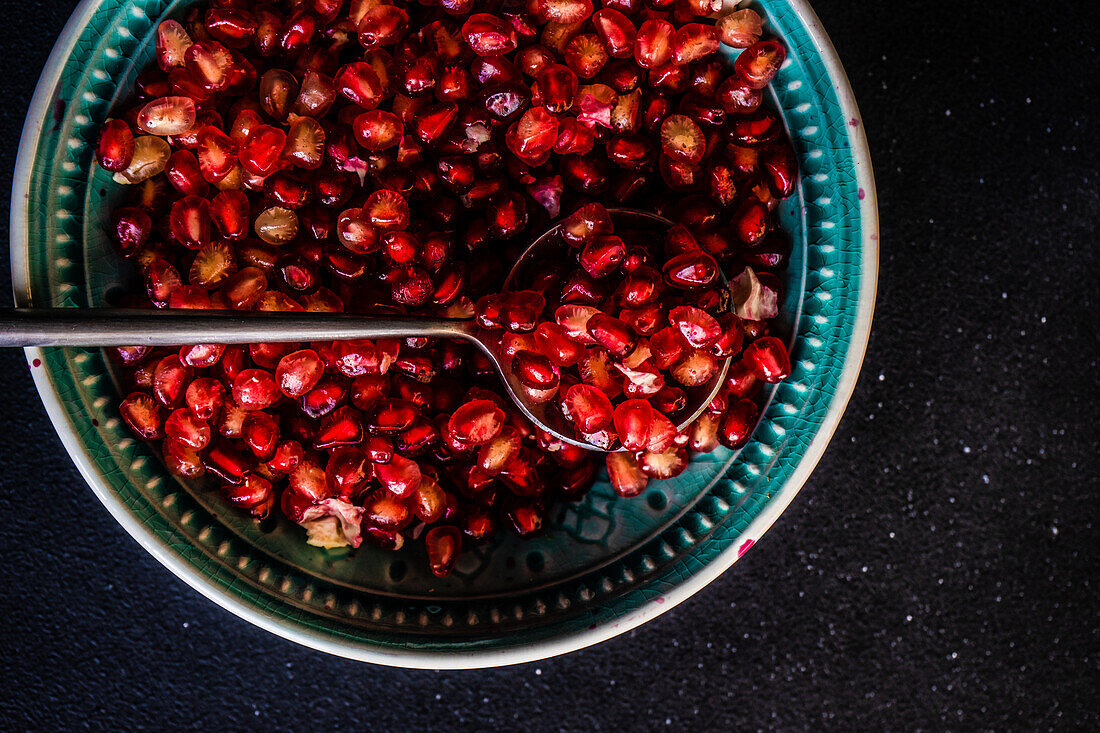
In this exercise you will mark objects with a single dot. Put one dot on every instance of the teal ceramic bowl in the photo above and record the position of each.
(606, 564)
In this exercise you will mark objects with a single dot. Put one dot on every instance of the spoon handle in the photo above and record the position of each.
(121, 327)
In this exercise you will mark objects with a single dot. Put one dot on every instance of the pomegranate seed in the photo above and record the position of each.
(167, 116)
(611, 333)
(535, 370)
(602, 256)
(653, 44)
(255, 389)
(626, 476)
(692, 42)
(768, 360)
(377, 129)
(750, 221)
(557, 85)
(181, 460)
(150, 157)
(476, 422)
(588, 408)
(190, 222)
(261, 150)
(143, 416)
(116, 146)
(276, 225)
(585, 55)
(172, 42)
(616, 31)
(387, 210)
(700, 329)
(740, 29)
(260, 433)
(308, 480)
(132, 227)
(382, 25)
(737, 424)
(298, 372)
(170, 380)
(682, 140)
(443, 544)
(359, 83)
(696, 368)
(400, 476)
(759, 63)
(488, 35)
(342, 426)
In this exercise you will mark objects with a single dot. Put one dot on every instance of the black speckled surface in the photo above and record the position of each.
(934, 573)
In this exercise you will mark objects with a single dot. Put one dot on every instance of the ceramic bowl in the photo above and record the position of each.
(606, 564)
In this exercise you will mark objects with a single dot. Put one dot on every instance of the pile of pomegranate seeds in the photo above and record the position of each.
(371, 157)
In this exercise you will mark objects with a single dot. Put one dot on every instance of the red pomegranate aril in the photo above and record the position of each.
(382, 25)
(759, 63)
(525, 515)
(626, 476)
(535, 370)
(750, 222)
(696, 368)
(143, 415)
(387, 210)
(699, 328)
(181, 460)
(308, 480)
(286, 457)
(261, 150)
(616, 31)
(653, 43)
(297, 373)
(378, 130)
(400, 476)
(682, 140)
(585, 55)
(554, 343)
(665, 465)
(602, 255)
(590, 220)
(780, 168)
(359, 83)
(225, 462)
(260, 432)
(740, 29)
(488, 35)
(115, 149)
(255, 389)
(170, 379)
(633, 420)
(588, 408)
(190, 222)
(611, 333)
(443, 544)
(342, 426)
(132, 227)
(167, 116)
(692, 42)
(476, 422)
(557, 85)
(184, 173)
(204, 397)
(392, 416)
(767, 358)
(737, 424)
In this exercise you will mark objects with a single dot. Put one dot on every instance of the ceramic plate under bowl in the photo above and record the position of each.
(606, 564)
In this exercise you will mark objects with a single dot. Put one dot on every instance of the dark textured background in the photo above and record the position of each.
(934, 573)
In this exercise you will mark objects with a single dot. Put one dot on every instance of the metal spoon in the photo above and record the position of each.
(123, 327)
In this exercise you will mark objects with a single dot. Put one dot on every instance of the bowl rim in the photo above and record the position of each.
(38, 114)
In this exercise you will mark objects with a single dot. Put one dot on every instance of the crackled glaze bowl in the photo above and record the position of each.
(606, 564)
